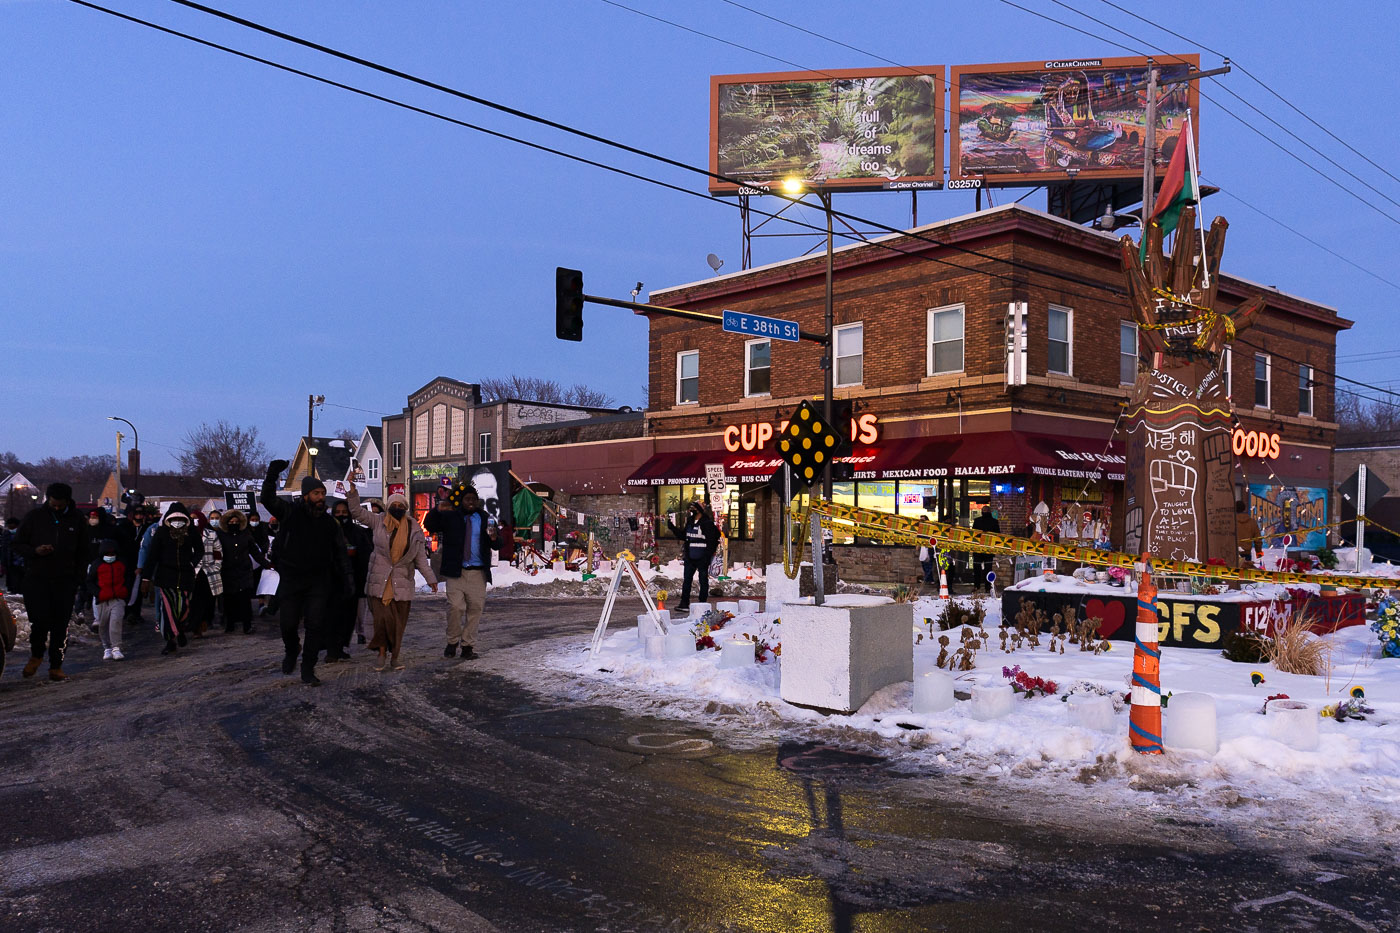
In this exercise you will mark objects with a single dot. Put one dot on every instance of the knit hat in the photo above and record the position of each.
(309, 483)
(59, 491)
(396, 497)
(108, 547)
(176, 508)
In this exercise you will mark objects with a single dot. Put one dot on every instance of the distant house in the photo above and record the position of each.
(330, 465)
(370, 459)
(160, 489)
(18, 494)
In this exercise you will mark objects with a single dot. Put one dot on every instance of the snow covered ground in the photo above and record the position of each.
(1348, 787)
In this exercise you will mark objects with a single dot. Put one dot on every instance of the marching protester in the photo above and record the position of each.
(53, 541)
(309, 554)
(701, 537)
(982, 561)
(399, 547)
(208, 583)
(345, 607)
(469, 536)
(172, 564)
(134, 530)
(243, 561)
(107, 582)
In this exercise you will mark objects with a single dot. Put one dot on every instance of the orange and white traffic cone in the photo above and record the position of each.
(1145, 717)
(942, 580)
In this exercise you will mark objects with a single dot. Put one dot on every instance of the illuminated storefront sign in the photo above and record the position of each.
(1254, 444)
(756, 435)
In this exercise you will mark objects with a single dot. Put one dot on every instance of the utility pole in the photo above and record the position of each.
(1149, 136)
(120, 435)
(311, 402)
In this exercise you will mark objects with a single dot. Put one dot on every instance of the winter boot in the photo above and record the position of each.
(32, 667)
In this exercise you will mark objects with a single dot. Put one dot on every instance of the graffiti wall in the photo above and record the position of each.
(1282, 510)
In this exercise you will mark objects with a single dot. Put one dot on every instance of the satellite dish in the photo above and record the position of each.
(714, 261)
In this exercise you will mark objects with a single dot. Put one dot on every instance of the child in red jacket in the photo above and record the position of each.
(107, 579)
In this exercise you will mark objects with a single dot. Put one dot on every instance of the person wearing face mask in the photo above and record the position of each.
(209, 579)
(171, 567)
(345, 607)
(101, 529)
(242, 562)
(469, 535)
(53, 540)
(311, 559)
(399, 547)
(107, 581)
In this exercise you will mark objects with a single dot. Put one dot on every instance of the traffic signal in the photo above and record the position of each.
(568, 304)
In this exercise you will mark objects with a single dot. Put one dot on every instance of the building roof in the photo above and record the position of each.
(1009, 215)
(376, 435)
(602, 428)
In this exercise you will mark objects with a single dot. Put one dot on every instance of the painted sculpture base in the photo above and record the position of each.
(835, 656)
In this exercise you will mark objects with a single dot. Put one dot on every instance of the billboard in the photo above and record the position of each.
(861, 129)
(1033, 122)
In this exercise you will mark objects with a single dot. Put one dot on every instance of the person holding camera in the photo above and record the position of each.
(469, 535)
(700, 539)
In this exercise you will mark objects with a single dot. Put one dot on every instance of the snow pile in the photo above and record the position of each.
(1041, 737)
(508, 580)
(16, 605)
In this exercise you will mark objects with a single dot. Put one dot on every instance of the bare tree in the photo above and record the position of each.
(1361, 422)
(535, 389)
(223, 453)
(347, 434)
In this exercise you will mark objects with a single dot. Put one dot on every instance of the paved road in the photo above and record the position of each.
(209, 792)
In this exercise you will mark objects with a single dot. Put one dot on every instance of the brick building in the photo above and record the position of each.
(920, 355)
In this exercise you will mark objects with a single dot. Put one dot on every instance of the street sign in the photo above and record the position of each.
(808, 445)
(1375, 490)
(715, 485)
(756, 325)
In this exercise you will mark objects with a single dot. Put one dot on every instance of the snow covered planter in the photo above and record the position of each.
(836, 655)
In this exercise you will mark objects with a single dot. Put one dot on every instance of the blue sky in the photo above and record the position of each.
(185, 236)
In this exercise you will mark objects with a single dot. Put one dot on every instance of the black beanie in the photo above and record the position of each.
(60, 491)
(309, 483)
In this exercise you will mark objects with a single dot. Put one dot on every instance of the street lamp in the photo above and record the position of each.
(311, 461)
(797, 187)
(135, 453)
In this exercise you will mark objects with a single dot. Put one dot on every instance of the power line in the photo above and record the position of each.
(1257, 81)
(578, 132)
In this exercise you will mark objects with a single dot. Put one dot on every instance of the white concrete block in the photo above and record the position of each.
(1189, 722)
(654, 647)
(732, 607)
(1292, 722)
(736, 652)
(835, 657)
(699, 609)
(748, 607)
(778, 589)
(933, 692)
(680, 643)
(992, 701)
(1091, 711)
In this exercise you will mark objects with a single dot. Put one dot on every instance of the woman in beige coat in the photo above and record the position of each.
(399, 547)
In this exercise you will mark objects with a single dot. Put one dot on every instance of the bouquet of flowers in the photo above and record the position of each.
(712, 621)
(1387, 627)
(1026, 685)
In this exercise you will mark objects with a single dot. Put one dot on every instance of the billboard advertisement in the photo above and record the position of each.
(1033, 122)
(859, 129)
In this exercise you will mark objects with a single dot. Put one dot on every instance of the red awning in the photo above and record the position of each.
(994, 453)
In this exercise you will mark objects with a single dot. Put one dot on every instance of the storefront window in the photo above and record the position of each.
(671, 502)
(977, 494)
(843, 494)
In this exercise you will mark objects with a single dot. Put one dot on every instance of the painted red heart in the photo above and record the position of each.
(1111, 613)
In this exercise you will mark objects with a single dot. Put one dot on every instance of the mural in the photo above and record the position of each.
(1282, 510)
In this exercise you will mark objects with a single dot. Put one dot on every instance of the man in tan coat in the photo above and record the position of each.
(1247, 535)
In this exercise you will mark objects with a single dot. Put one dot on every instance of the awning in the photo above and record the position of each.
(993, 453)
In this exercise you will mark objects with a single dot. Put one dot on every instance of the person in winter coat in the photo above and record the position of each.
(172, 566)
(345, 607)
(243, 561)
(131, 528)
(107, 582)
(1248, 537)
(309, 554)
(469, 536)
(209, 583)
(700, 538)
(53, 541)
(399, 547)
(982, 561)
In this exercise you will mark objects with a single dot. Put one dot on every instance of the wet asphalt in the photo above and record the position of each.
(210, 792)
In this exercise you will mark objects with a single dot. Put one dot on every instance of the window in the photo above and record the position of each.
(945, 340)
(1061, 328)
(1127, 353)
(671, 503)
(850, 355)
(398, 455)
(372, 468)
(484, 448)
(1226, 364)
(687, 376)
(1261, 380)
(420, 436)
(1305, 389)
(758, 366)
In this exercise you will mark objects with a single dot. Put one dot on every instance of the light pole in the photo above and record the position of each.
(311, 461)
(135, 454)
(795, 186)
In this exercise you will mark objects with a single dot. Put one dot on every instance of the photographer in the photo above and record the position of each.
(699, 539)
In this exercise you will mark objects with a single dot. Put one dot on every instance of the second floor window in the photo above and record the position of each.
(758, 366)
(1061, 328)
(398, 455)
(1261, 380)
(850, 355)
(687, 376)
(945, 340)
(1127, 353)
(1226, 363)
(484, 448)
(372, 469)
(1305, 389)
